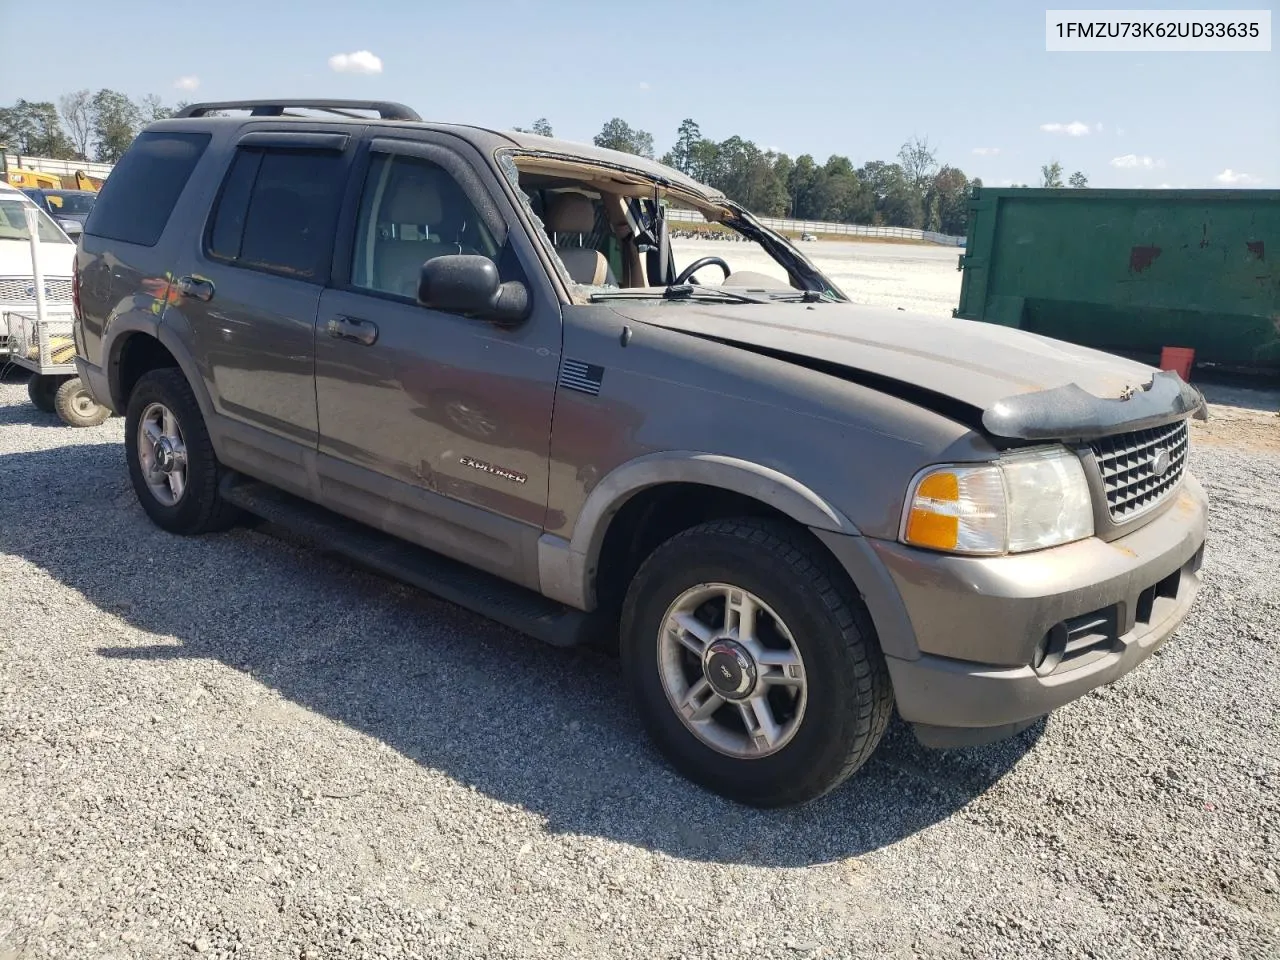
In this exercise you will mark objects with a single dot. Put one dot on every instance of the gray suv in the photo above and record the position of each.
(470, 359)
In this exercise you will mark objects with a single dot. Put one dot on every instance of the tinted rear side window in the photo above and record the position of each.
(233, 204)
(277, 211)
(138, 197)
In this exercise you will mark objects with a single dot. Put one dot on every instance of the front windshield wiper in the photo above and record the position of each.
(805, 296)
(685, 291)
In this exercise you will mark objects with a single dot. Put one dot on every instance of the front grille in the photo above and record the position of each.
(21, 290)
(1127, 463)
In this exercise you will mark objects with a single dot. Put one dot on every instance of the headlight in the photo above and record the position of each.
(1023, 501)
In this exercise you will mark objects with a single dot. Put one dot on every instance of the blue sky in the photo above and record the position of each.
(803, 76)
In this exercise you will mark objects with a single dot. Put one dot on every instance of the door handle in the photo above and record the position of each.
(354, 329)
(197, 288)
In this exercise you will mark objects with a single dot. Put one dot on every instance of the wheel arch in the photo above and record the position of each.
(568, 568)
(160, 347)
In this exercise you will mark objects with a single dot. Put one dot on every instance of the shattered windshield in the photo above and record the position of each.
(737, 258)
(618, 234)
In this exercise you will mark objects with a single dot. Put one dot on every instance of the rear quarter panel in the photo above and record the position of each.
(126, 288)
(118, 280)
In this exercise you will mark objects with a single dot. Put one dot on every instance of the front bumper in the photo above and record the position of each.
(95, 379)
(1002, 641)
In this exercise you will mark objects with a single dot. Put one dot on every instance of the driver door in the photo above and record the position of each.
(435, 426)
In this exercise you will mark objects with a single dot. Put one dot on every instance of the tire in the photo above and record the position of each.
(76, 406)
(198, 507)
(847, 699)
(42, 389)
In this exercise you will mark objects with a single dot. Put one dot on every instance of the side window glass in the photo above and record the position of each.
(411, 211)
(277, 210)
(137, 199)
(233, 205)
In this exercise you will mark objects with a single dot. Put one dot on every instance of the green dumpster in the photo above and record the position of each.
(1130, 271)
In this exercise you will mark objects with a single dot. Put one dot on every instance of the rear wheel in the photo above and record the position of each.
(753, 663)
(172, 464)
(76, 406)
(42, 389)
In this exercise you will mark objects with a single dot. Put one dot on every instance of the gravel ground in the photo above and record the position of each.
(230, 746)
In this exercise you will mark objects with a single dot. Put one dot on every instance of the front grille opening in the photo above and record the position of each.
(21, 290)
(1166, 589)
(1139, 469)
(1078, 641)
(1146, 603)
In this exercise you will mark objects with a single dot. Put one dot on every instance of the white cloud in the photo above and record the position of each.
(1132, 161)
(644, 85)
(1119, 131)
(189, 82)
(986, 151)
(1232, 178)
(1073, 129)
(1098, 127)
(362, 61)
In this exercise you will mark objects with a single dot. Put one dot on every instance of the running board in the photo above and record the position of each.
(483, 593)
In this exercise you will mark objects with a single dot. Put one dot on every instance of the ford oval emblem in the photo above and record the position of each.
(1160, 463)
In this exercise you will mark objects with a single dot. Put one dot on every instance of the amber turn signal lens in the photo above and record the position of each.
(958, 509)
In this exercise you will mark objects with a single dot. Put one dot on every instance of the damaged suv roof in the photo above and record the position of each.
(651, 169)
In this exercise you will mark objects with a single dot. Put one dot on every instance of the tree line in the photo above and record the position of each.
(81, 126)
(914, 190)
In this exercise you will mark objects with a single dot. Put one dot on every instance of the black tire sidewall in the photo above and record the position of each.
(189, 514)
(817, 758)
(41, 390)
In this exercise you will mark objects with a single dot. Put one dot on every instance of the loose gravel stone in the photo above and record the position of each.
(233, 746)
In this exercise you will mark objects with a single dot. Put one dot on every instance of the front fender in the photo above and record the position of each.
(567, 568)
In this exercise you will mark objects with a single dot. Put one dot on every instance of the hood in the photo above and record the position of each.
(56, 259)
(1020, 385)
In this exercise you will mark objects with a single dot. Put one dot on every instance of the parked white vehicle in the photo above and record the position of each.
(17, 282)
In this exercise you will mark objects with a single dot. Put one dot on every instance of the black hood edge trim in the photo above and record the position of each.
(1061, 414)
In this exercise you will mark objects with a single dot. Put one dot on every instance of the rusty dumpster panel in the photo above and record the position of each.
(1131, 271)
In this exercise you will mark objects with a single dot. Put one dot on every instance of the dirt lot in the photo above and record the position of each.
(232, 747)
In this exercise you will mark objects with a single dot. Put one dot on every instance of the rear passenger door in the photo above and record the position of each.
(251, 286)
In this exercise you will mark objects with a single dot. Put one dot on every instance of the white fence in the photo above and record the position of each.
(62, 168)
(839, 229)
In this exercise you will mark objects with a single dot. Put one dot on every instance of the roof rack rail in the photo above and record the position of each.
(386, 109)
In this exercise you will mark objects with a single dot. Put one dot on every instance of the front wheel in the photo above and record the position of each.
(753, 663)
(172, 464)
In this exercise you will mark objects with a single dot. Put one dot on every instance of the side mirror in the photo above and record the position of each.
(470, 285)
(71, 228)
